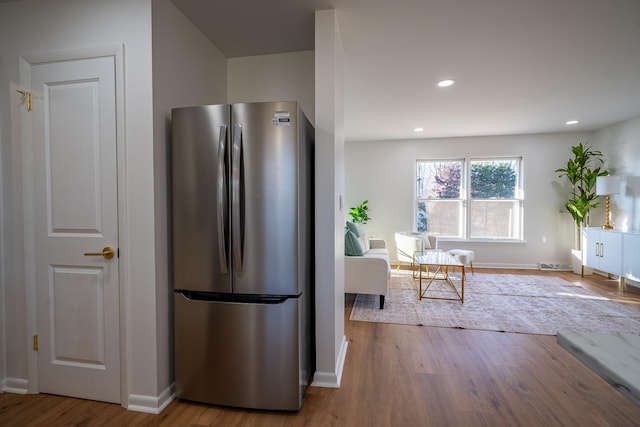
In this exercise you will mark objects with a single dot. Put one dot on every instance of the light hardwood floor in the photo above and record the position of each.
(398, 375)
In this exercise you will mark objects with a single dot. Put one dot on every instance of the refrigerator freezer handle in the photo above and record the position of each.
(222, 199)
(236, 172)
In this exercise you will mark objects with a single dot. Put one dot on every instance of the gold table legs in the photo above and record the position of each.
(441, 273)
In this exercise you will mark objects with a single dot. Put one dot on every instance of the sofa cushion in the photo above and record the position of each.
(379, 253)
(360, 231)
(356, 228)
(364, 243)
(352, 245)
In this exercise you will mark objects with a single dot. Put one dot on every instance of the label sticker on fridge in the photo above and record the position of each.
(281, 118)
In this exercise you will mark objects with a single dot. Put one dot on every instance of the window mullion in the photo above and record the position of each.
(466, 233)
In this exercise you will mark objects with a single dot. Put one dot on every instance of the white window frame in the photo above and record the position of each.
(465, 197)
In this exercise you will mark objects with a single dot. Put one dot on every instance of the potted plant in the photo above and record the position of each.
(359, 213)
(582, 171)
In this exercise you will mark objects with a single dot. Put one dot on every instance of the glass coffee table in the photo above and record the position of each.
(435, 267)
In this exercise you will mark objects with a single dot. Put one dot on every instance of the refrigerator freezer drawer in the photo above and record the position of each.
(239, 354)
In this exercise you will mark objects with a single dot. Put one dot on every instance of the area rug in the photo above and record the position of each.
(530, 304)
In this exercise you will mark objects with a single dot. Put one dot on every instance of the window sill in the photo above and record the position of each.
(483, 241)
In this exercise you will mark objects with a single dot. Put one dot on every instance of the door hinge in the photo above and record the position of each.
(35, 343)
(26, 96)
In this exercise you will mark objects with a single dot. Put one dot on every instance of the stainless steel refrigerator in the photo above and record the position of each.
(242, 214)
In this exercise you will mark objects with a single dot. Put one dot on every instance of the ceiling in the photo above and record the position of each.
(520, 66)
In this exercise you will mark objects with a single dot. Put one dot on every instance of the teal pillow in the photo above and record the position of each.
(356, 228)
(351, 244)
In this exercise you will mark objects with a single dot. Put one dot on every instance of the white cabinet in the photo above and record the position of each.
(631, 256)
(613, 252)
(591, 247)
(602, 250)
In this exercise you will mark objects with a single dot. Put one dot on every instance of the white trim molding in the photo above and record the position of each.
(332, 379)
(151, 404)
(15, 385)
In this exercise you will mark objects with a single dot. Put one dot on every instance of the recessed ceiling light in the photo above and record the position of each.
(418, 129)
(572, 122)
(445, 83)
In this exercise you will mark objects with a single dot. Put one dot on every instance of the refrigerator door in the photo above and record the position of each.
(239, 354)
(265, 198)
(200, 168)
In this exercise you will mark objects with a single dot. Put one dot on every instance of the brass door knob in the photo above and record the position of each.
(107, 252)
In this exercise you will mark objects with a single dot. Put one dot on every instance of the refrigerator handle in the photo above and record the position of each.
(236, 172)
(222, 199)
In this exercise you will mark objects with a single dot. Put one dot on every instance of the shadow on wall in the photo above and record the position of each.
(632, 192)
(560, 190)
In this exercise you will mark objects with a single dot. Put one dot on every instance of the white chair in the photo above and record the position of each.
(409, 242)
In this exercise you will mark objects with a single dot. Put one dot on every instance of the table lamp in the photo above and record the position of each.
(606, 186)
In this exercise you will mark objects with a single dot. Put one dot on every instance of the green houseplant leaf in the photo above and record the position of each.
(359, 213)
(582, 172)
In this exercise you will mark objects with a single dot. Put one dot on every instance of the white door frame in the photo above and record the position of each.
(26, 61)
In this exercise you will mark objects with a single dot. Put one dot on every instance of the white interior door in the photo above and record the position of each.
(75, 181)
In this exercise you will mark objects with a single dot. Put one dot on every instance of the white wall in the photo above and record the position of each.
(149, 93)
(33, 27)
(620, 144)
(280, 77)
(13, 361)
(384, 173)
(187, 70)
(291, 77)
(329, 101)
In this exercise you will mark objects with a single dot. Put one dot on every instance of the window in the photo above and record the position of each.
(440, 201)
(470, 198)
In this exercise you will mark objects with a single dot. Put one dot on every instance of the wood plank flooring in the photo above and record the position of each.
(400, 375)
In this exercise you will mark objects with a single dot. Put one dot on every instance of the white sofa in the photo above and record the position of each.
(370, 272)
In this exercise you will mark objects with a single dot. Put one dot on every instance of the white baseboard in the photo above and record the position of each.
(15, 385)
(505, 266)
(535, 266)
(332, 379)
(151, 404)
(138, 403)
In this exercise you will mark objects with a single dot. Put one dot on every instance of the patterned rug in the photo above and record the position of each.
(527, 304)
